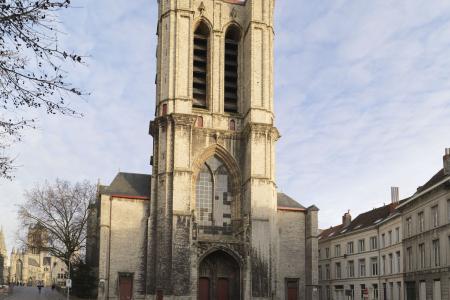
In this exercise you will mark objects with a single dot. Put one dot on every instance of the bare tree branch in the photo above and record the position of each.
(31, 67)
(61, 209)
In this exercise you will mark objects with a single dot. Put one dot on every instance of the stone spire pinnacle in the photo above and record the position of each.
(2, 241)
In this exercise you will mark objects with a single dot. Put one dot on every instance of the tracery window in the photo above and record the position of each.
(213, 198)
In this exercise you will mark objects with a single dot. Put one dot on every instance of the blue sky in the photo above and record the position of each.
(362, 93)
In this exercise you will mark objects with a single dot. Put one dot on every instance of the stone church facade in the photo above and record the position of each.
(209, 222)
(3, 259)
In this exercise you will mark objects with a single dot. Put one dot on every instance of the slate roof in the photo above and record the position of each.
(131, 184)
(379, 214)
(439, 176)
(33, 262)
(128, 184)
(364, 220)
(284, 200)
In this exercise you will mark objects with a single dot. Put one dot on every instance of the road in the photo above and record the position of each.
(32, 293)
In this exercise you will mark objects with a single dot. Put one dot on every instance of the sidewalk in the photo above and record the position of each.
(63, 293)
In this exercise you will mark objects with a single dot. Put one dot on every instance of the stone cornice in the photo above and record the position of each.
(175, 119)
(261, 128)
(183, 119)
(175, 11)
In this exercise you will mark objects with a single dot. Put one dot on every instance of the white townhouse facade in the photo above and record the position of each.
(361, 258)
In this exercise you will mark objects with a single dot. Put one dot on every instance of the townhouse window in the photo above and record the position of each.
(320, 273)
(383, 240)
(350, 248)
(327, 271)
(351, 269)
(421, 220)
(397, 235)
(361, 246)
(448, 210)
(391, 263)
(327, 252)
(398, 270)
(328, 293)
(437, 294)
(390, 237)
(200, 68)
(435, 216)
(383, 265)
(409, 258)
(375, 291)
(374, 266)
(409, 226)
(373, 243)
(338, 271)
(363, 291)
(362, 267)
(422, 255)
(319, 255)
(337, 250)
(436, 254)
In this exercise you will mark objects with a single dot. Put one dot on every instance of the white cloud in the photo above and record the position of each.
(362, 101)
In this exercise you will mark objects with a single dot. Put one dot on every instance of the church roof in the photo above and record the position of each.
(138, 185)
(33, 262)
(284, 200)
(128, 184)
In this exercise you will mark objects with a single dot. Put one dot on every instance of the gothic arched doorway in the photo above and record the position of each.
(219, 277)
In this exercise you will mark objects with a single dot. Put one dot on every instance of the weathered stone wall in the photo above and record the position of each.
(292, 251)
(123, 224)
(312, 253)
(180, 146)
(2, 270)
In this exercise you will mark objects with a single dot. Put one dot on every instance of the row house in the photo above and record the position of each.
(426, 223)
(394, 252)
(361, 258)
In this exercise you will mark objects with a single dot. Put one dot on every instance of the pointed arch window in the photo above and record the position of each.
(200, 68)
(213, 198)
(232, 38)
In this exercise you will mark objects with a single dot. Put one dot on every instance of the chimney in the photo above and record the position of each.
(447, 161)
(395, 195)
(346, 219)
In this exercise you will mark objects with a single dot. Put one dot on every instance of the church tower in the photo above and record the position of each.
(3, 258)
(212, 221)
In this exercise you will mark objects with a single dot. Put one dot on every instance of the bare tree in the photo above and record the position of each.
(61, 210)
(31, 68)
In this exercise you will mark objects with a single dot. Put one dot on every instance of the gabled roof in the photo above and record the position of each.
(33, 262)
(128, 184)
(437, 180)
(284, 200)
(362, 221)
(439, 176)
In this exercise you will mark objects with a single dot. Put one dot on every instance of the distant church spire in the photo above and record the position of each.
(2, 242)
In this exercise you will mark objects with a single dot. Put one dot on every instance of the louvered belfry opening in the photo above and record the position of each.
(232, 38)
(200, 81)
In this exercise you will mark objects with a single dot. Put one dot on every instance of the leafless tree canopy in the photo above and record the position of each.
(31, 74)
(61, 209)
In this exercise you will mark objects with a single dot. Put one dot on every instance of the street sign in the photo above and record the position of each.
(69, 283)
